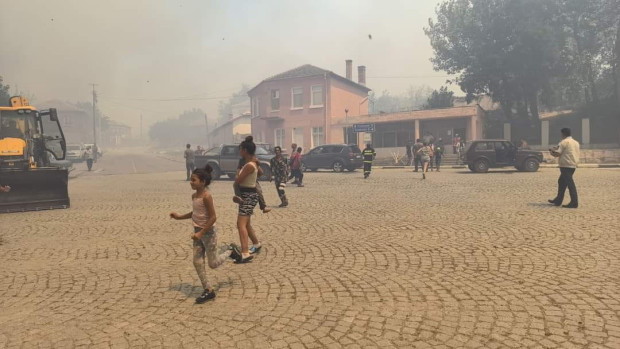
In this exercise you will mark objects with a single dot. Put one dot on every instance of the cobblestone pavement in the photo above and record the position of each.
(458, 260)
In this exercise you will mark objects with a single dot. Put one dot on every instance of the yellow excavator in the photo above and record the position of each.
(28, 140)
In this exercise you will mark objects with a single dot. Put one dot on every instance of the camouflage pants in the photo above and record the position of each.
(207, 246)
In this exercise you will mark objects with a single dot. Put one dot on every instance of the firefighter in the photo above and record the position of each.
(369, 155)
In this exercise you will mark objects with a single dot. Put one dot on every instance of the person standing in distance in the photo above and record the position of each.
(567, 153)
(369, 155)
(189, 160)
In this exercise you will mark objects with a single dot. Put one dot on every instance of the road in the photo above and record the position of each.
(132, 161)
(457, 260)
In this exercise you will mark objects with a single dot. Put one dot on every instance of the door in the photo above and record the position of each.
(52, 135)
(229, 158)
(485, 150)
(504, 154)
(298, 137)
(331, 154)
(311, 159)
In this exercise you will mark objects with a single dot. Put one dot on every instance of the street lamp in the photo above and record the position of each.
(346, 118)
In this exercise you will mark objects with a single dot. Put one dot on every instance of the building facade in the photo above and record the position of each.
(302, 105)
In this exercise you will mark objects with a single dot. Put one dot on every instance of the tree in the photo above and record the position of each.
(440, 99)
(188, 127)
(413, 99)
(4, 94)
(509, 49)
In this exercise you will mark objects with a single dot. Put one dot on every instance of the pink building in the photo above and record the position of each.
(304, 104)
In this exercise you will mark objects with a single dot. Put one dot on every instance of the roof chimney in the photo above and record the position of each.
(349, 69)
(361, 75)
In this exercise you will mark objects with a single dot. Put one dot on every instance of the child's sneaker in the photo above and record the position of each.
(255, 249)
(235, 253)
(205, 296)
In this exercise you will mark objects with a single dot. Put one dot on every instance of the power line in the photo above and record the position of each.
(410, 77)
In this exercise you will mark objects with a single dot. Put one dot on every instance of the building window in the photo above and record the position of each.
(255, 107)
(279, 137)
(297, 97)
(317, 96)
(275, 100)
(318, 136)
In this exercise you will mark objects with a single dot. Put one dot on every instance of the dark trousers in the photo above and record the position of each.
(189, 166)
(418, 162)
(367, 168)
(281, 192)
(566, 181)
(437, 162)
(89, 164)
(430, 163)
(298, 174)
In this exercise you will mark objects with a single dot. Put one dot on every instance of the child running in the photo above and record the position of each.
(205, 235)
(249, 198)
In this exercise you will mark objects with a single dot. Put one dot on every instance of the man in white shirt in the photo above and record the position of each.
(567, 153)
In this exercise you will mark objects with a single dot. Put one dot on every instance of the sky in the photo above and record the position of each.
(157, 58)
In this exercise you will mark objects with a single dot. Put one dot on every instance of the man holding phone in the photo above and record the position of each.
(567, 153)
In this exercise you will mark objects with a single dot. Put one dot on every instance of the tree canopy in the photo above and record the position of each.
(441, 98)
(524, 53)
(4, 93)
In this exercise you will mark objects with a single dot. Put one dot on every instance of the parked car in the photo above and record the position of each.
(75, 153)
(483, 154)
(225, 158)
(337, 157)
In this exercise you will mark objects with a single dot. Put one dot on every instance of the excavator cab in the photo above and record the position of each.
(27, 139)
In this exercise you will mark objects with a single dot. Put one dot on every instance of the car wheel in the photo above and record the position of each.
(303, 167)
(481, 166)
(531, 165)
(338, 166)
(216, 171)
(266, 174)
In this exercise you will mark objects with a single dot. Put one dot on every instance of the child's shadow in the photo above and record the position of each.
(190, 290)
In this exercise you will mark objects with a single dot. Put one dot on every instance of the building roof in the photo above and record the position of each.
(308, 70)
(446, 113)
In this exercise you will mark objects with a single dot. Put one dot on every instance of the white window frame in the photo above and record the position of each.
(278, 140)
(312, 104)
(293, 107)
(271, 99)
(255, 106)
(321, 136)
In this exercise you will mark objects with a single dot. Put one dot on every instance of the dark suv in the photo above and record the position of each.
(337, 157)
(483, 154)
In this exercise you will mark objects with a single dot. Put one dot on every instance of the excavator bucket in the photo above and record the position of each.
(34, 189)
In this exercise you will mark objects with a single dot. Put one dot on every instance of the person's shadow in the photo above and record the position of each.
(190, 290)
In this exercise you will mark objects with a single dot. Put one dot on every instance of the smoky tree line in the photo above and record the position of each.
(188, 127)
(530, 54)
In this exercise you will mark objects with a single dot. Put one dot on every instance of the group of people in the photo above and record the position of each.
(248, 194)
(424, 154)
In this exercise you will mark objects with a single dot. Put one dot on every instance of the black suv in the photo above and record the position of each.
(337, 157)
(483, 154)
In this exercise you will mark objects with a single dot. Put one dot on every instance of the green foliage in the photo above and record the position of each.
(526, 52)
(413, 99)
(440, 99)
(4, 94)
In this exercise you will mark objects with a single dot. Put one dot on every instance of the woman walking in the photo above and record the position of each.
(247, 185)
(204, 235)
(425, 157)
(279, 170)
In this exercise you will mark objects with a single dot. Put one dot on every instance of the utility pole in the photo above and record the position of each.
(207, 126)
(94, 123)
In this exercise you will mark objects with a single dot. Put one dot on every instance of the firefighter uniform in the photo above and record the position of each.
(369, 155)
